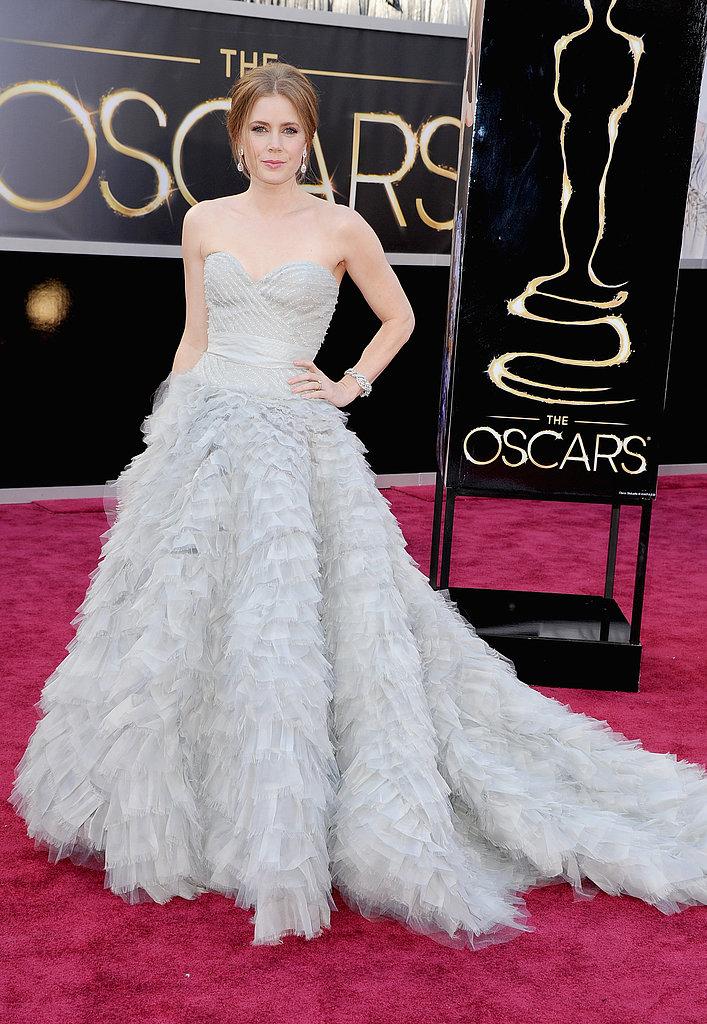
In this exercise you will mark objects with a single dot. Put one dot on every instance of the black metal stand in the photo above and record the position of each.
(570, 640)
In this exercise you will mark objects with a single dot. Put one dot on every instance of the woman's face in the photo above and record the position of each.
(273, 132)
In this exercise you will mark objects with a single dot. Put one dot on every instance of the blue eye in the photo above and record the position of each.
(257, 127)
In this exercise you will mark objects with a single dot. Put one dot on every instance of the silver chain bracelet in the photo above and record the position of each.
(362, 381)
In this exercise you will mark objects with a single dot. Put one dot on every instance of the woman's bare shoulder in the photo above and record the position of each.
(337, 221)
(352, 229)
(202, 219)
(199, 212)
(329, 211)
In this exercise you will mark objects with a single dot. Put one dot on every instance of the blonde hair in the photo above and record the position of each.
(276, 79)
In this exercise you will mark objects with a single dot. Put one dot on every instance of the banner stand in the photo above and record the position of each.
(554, 639)
(563, 277)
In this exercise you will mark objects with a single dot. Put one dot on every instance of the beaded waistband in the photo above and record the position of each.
(265, 381)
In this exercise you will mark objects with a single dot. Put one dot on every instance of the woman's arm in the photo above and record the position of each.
(370, 271)
(194, 338)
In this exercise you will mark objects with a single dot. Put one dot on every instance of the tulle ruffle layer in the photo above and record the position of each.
(265, 698)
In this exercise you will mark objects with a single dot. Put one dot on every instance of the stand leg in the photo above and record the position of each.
(610, 567)
(611, 553)
(447, 539)
(436, 525)
(640, 580)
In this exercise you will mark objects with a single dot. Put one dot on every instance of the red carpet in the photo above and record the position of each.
(74, 953)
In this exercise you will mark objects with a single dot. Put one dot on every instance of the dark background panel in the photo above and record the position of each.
(72, 398)
(74, 394)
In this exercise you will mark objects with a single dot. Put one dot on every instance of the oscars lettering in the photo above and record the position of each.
(170, 180)
(552, 449)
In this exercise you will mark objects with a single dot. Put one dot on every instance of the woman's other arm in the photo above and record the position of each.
(194, 338)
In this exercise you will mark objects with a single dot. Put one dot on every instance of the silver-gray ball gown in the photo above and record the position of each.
(265, 698)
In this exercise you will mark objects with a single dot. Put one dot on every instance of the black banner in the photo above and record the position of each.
(579, 122)
(112, 118)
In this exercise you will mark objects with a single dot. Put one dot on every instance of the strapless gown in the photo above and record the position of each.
(265, 698)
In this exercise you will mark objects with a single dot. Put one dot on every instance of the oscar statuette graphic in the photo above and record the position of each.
(588, 136)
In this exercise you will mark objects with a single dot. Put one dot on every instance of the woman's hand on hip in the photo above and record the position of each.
(312, 383)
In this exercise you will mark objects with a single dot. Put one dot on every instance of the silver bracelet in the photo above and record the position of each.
(362, 381)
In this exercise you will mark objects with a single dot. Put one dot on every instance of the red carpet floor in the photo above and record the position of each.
(74, 953)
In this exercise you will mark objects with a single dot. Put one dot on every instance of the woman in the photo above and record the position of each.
(264, 696)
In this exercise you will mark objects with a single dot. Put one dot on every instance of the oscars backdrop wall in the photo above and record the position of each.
(112, 122)
(119, 125)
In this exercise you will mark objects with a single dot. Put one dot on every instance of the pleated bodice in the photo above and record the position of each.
(257, 328)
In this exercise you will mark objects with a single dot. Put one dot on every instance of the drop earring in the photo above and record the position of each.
(239, 165)
(303, 168)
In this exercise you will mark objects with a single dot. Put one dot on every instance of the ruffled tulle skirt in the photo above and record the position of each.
(265, 698)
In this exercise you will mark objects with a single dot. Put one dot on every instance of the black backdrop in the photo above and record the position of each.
(85, 339)
(71, 402)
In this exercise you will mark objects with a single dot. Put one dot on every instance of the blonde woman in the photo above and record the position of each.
(264, 696)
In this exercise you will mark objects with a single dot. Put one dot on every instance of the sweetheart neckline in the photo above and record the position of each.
(274, 270)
